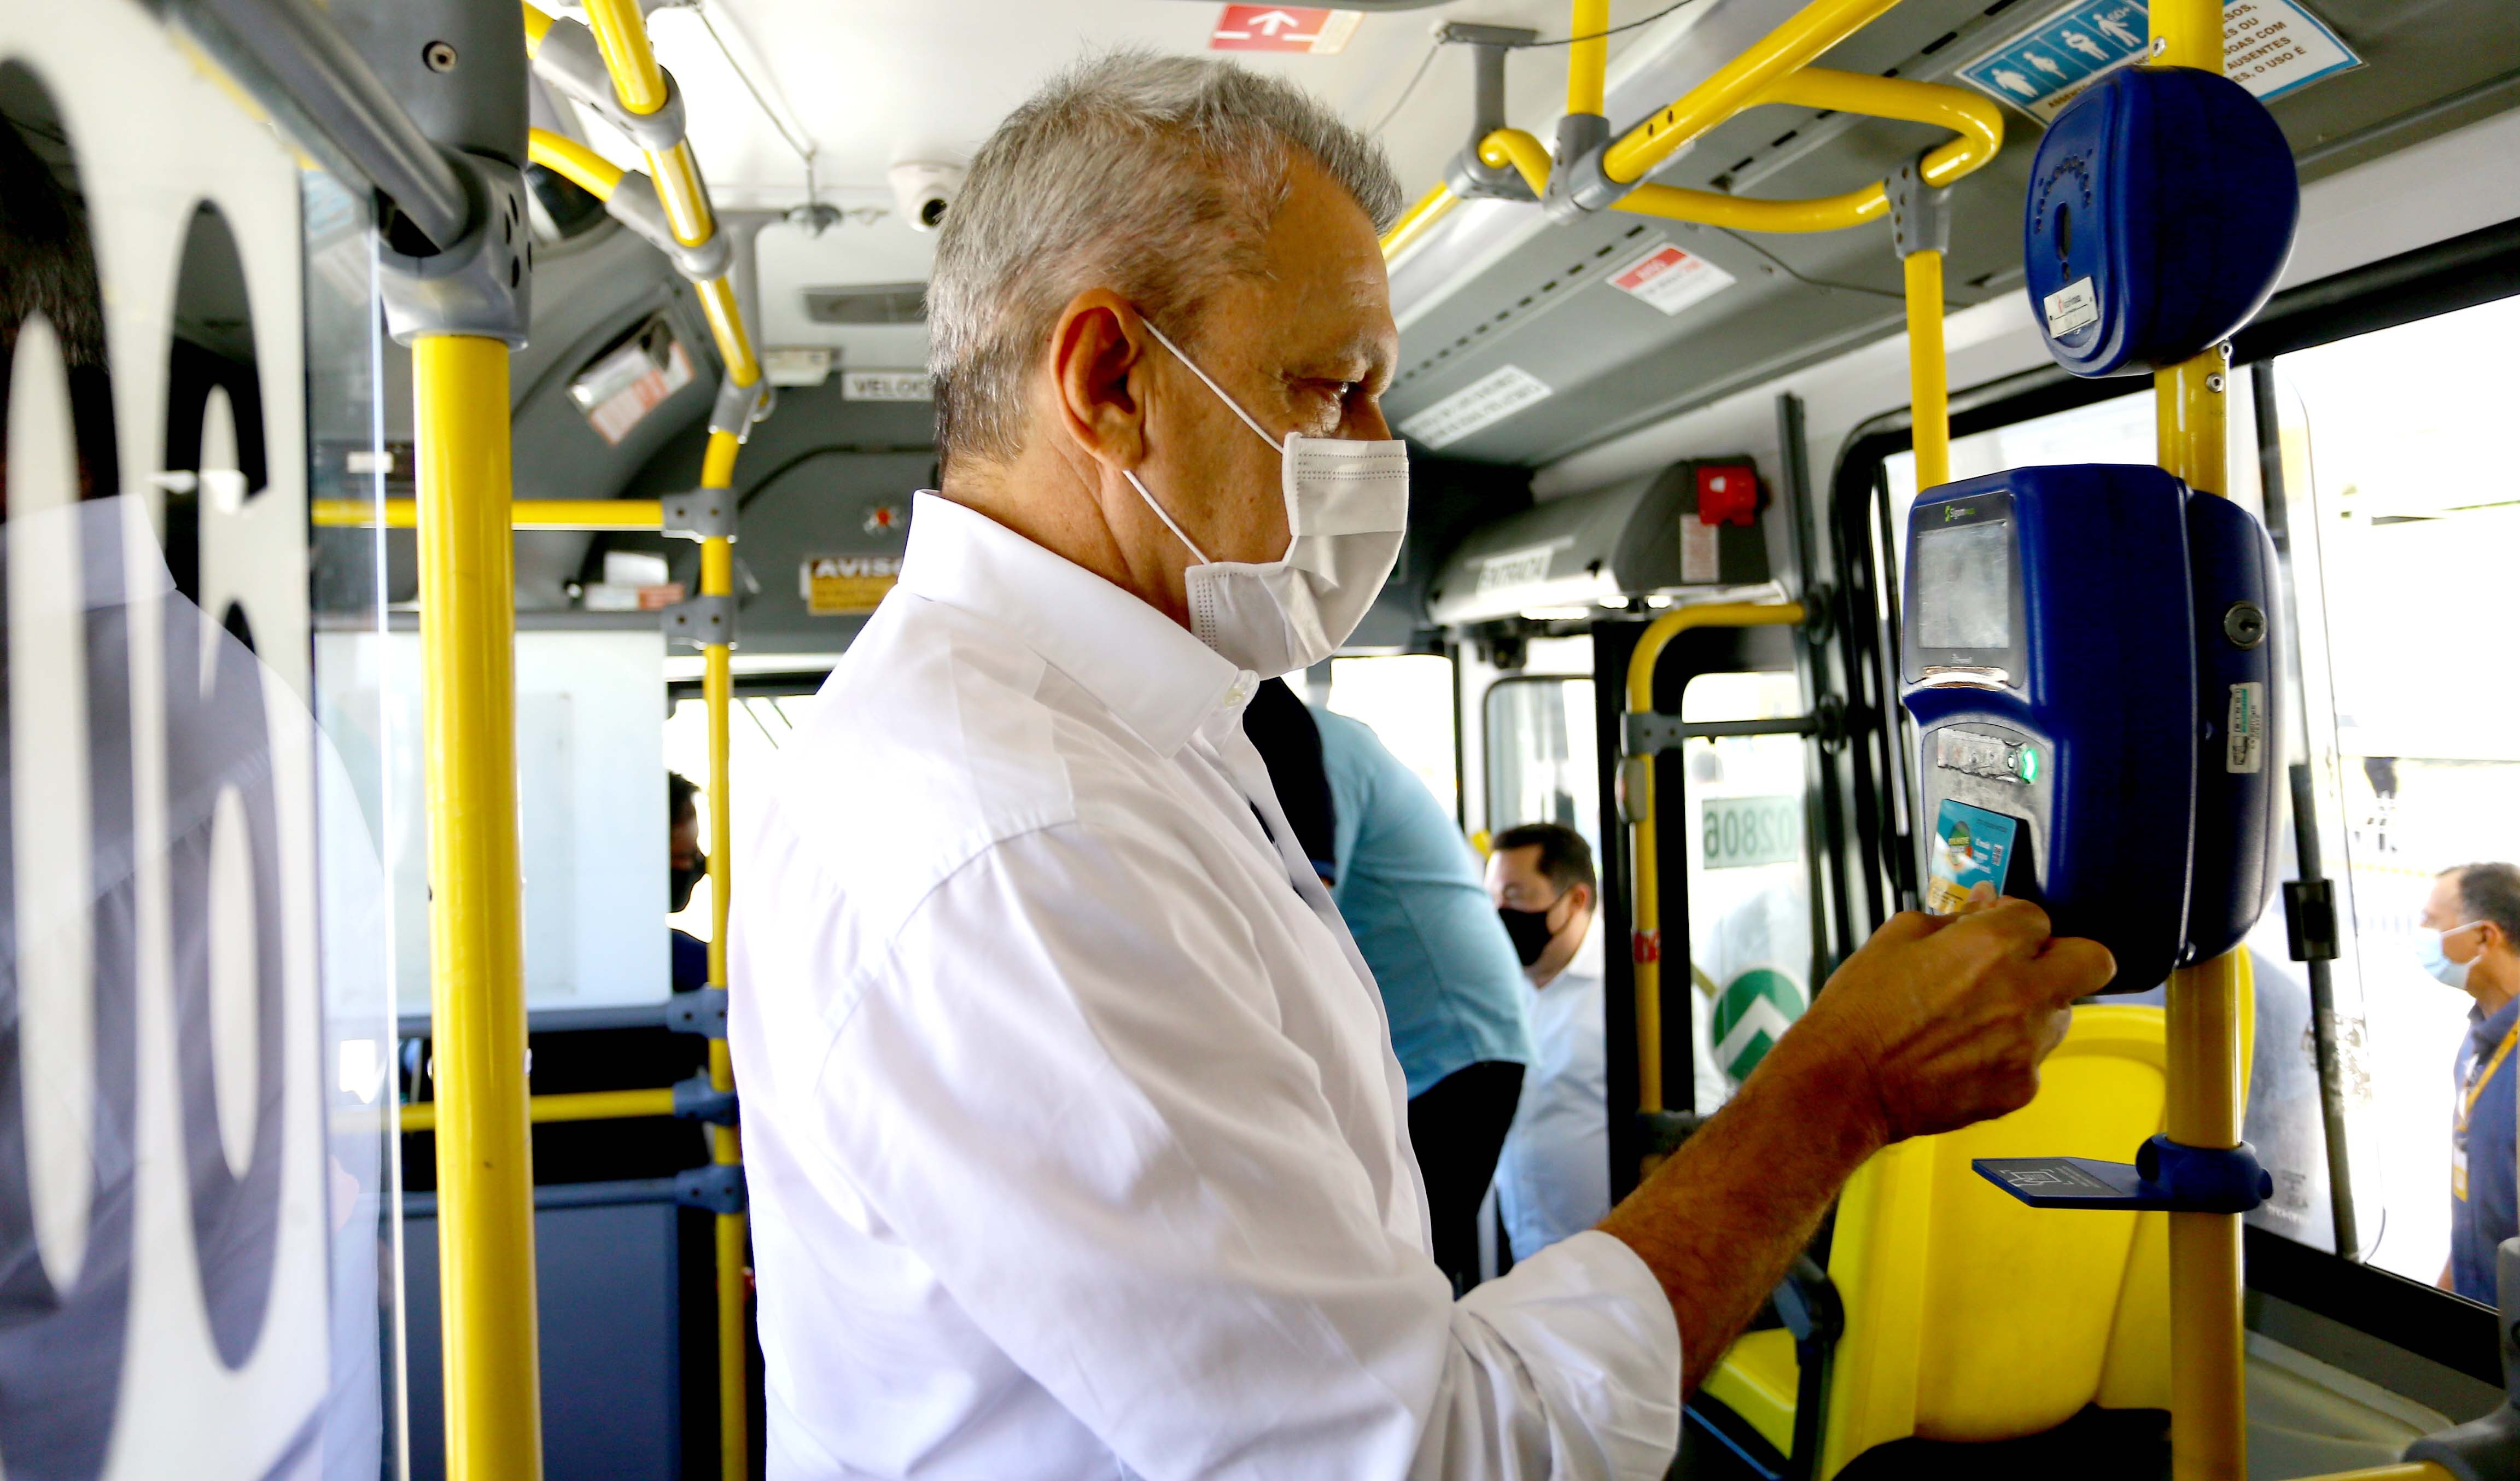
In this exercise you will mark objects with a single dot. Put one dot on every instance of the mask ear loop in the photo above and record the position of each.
(1131, 476)
(1235, 406)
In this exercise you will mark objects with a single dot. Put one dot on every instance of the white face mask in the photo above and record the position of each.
(1347, 507)
(2434, 957)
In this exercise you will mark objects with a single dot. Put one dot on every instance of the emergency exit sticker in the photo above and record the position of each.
(840, 586)
(1283, 28)
(1671, 280)
(2271, 47)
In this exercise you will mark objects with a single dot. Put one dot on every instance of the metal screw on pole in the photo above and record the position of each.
(2214, 383)
(2160, 44)
(439, 55)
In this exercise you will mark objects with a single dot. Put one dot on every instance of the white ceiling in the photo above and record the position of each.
(869, 84)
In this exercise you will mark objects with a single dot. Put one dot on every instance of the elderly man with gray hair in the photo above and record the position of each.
(1075, 1138)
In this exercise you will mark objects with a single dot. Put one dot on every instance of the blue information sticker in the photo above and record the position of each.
(1970, 845)
(2271, 47)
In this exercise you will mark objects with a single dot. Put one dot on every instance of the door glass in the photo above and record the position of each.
(2399, 467)
(1407, 701)
(1750, 881)
(1542, 763)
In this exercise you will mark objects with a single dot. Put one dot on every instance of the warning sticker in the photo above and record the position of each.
(1702, 551)
(1484, 402)
(2245, 732)
(1283, 28)
(2071, 308)
(1671, 280)
(886, 385)
(2271, 47)
(840, 586)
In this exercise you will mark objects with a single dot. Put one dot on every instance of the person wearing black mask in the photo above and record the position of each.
(1554, 1177)
(687, 867)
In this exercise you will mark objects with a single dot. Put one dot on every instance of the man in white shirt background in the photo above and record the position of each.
(1074, 1140)
(1553, 1178)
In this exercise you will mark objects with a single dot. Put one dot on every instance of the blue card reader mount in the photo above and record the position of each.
(2087, 655)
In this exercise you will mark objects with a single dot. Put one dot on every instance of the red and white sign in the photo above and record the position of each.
(1671, 280)
(1283, 28)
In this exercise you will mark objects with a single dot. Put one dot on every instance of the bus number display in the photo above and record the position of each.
(1742, 832)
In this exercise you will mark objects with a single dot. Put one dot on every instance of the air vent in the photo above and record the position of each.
(868, 304)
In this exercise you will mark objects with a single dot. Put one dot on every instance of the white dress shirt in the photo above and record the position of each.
(1074, 1138)
(1553, 1178)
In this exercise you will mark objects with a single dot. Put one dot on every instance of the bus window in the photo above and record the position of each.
(1541, 755)
(1406, 700)
(2399, 474)
(1749, 884)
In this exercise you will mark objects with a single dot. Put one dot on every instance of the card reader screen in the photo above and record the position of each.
(1964, 586)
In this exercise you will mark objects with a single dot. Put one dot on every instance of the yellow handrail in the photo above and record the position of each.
(1588, 57)
(717, 579)
(1645, 873)
(1928, 371)
(588, 1105)
(583, 167)
(524, 514)
(1774, 72)
(477, 890)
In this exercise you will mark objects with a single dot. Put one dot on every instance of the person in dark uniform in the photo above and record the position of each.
(2474, 915)
(688, 867)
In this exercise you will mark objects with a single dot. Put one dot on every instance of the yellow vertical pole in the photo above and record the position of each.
(2209, 1412)
(1928, 374)
(1588, 59)
(717, 579)
(485, 1231)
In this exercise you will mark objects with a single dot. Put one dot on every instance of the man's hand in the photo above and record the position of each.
(1937, 1022)
(1944, 1019)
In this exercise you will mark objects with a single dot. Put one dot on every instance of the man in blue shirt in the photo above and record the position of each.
(1408, 885)
(2475, 911)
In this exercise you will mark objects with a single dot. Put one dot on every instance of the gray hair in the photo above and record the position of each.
(1153, 176)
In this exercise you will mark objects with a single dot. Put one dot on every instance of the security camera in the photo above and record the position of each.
(923, 190)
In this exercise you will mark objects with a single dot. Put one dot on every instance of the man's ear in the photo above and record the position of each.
(1098, 358)
(1584, 895)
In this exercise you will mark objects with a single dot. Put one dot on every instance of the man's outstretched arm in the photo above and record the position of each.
(1938, 1022)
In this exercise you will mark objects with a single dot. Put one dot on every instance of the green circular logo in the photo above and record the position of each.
(1751, 1014)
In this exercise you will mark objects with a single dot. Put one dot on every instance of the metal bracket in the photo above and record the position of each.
(1643, 734)
(1577, 185)
(696, 1099)
(635, 204)
(704, 514)
(569, 60)
(1469, 176)
(2309, 919)
(717, 1188)
(701, 621)
(1921, 214)
(738, 407)
(481, 283)
(2165, 1175)
(701, 1012)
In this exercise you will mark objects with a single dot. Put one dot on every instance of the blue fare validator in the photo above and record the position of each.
(1970, 845)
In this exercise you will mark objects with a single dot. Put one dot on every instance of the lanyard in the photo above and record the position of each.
(2484, 1077)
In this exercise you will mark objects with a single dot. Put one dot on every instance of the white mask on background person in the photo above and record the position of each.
(2434, 956)
(1347, 507)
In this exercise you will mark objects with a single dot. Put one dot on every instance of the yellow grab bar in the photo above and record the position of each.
(1644, 874)
(524, 514)
(476, 940)
(621, 34)
(1588, 57)
(1413, 222)
(717, 579)
(589, 1105)
(583, 167)
(1739, 83)
(1774, 72)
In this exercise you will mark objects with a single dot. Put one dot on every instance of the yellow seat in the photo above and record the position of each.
(1968, 1315)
